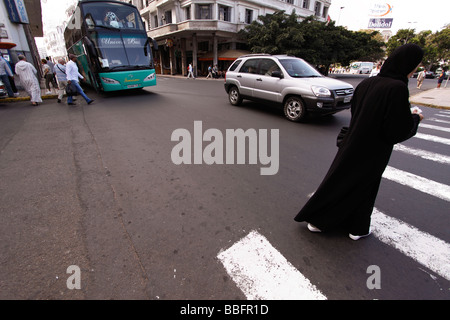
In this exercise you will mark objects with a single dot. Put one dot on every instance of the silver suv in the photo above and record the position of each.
(286, 80)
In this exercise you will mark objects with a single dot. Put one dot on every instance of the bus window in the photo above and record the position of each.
(113, 15)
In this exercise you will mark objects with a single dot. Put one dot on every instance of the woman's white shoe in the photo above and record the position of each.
(353, 237)
(313, 228)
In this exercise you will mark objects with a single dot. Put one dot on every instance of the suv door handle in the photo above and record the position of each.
(259, 79)
(238, 76)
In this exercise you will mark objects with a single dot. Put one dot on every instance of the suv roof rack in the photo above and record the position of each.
(255, 55)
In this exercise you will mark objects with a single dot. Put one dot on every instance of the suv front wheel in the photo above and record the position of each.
(234, 96)
(294, 109)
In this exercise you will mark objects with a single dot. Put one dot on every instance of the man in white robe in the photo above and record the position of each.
(27, 74)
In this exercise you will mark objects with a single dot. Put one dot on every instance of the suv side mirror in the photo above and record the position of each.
(277, 74)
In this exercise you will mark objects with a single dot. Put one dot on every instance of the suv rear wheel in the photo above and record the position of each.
(294, 109)
(234, 96)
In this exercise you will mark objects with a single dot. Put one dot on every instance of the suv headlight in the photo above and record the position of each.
(321, 91)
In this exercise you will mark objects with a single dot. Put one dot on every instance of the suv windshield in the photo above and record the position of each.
(298, 68)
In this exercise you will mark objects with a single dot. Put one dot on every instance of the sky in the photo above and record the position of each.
(407, 14)
(415, 14)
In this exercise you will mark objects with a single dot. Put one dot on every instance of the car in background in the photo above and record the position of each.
(3, 92)
(288, 81)
(430, 75)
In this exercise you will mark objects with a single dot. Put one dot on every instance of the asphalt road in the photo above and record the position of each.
(96, 187)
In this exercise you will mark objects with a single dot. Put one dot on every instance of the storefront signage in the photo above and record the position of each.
(16, 11)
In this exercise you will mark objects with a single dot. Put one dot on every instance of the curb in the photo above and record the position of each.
(45, 97)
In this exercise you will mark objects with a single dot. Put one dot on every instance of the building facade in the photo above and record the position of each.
(205, 32)
(20, 22)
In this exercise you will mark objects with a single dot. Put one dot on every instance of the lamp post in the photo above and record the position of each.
(339, 17)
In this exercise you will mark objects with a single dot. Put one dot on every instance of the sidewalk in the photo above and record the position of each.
(23, 95)
(435, 98)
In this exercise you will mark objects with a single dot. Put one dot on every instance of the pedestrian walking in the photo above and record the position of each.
(375, 71)
(441, 78)
(190, 72)
(209, 72)
(72, 77)
(48, 76)
(420, 77)
(61, 77)
(28, 77)
(52, 70)
(380, 117)
(5, 74)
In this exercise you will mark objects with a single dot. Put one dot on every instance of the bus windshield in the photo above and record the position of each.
(122, 50)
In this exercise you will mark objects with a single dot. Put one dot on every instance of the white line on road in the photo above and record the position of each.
(423, 154)
(443, 115)
(426, 249)
(432, 138)
(263, 273)
(430, 126)
(431, 187)
(438, 120)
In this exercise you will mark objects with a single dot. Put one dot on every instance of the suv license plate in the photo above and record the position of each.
(347, 99)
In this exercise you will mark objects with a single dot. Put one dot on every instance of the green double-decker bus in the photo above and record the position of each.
(112, 46)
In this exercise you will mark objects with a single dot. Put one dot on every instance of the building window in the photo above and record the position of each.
(203, 11)
(224, 13)
(290, 1)
(317, 8)
(325, 12)
(248, 16)
(155, 21)
(167, 17)
(305, 4)
(188, 12)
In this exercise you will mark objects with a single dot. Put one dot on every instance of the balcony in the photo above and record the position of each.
(194, 26)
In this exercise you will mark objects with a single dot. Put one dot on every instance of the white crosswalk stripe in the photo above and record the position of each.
(426, 249)
(423, 154)
(433, 188)
(432, 138)
(430, 126)
(262, 273)
(439, 120)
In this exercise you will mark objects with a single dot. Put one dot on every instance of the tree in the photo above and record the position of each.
(436, 46)
(317, 42)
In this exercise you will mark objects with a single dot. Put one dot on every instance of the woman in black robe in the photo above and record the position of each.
(381, 117)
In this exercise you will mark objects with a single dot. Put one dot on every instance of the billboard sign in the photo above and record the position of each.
(379, 23)
(380, 10)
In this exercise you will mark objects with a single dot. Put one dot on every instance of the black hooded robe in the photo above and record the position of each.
(381, 117)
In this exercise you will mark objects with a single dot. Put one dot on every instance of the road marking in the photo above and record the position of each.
(431, 187)
(438, 120)
(263, 273)
(443, 115)
(423, 154)
(430, 126)
(432, 138)
(424, 248)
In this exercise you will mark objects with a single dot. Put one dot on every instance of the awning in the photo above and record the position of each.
(225, 55)
(7, 45)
